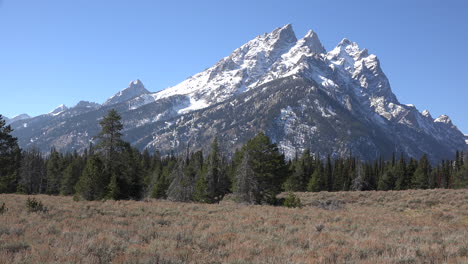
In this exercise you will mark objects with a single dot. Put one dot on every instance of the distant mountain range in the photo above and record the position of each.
(302, 96)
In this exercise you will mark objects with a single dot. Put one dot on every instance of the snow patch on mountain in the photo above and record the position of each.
(291, 124)
(193, 105)
(445, 119)
(58, 110)
(426, 114)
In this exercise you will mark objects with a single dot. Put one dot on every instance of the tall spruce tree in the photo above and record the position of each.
(10, 155)
(71, 175)
(182, 184)
(421, 175)
(54, 172)
(121, 163)
(213, 183)
(110, 136)
(92, 183)
(401, 174)
(460, 179)
(32, 172)
(318, 180)
(269, 166)
(301, 170)
(247, 187)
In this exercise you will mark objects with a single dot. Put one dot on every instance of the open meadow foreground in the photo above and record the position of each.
(424, 226)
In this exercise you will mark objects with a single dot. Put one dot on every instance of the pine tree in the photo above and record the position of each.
(329, 174)
(247, 187)
(317, 181)
(268, 165)
(388, 178)
(338, 177)
(421, 175)
(93, 181)
(401, 175)
(296, 181)
(113, 189)
(10, 155)
(182, 184)
(110, 137)
(460, 179)
(217, 182)
(32, 172)
(201, 193)
(54, 172)
(160, 188)
(71, 175)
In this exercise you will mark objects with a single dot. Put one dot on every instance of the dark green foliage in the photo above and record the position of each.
(461, 177)
(93, 182)
(35, 206)
(32, 172)
(213, 184)
(110, 142)
(317, 180)
(54, 172)
(10, 155)
(387, 179)
(328, 174)
(401, 175)
(160, 188)
(300, 173)
(292, 201)
(162, 178)
(71, 175)
(201, 193)
(422, 173)
(268, 167)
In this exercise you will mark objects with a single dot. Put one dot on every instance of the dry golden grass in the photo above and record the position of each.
(344, 227)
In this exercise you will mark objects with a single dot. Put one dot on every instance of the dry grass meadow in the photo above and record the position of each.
(345, 227)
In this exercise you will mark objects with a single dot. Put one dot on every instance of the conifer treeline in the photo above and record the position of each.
(112, 169)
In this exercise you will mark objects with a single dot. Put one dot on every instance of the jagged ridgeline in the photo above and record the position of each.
(303, 97)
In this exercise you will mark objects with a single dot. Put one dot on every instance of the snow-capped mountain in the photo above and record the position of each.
(134, 89)
(302, 96)
(58, 110)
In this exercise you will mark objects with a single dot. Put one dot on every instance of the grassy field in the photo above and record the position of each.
(345, 227)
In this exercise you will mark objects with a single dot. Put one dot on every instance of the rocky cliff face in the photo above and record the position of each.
(302, 96)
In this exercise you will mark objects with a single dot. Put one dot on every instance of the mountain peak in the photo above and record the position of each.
(58, 110)
(20, 117)
(135, 88)
(445, 119)
(286, 30)
(312, 41)
(135, 83)
(426, 113)
(17, 118)
(344, 42)
(279, 38)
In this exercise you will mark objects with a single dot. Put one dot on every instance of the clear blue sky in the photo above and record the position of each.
(58, 51)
